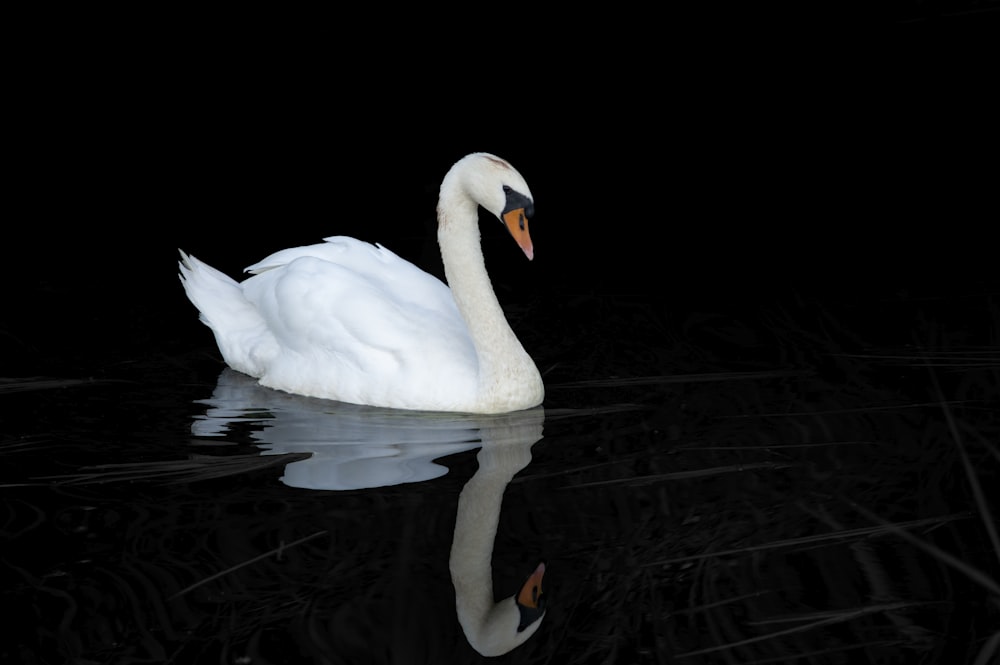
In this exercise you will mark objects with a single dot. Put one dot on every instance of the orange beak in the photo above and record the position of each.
(517, 223)
(532, 590)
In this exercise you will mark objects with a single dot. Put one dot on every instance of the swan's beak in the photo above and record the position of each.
(531, 593)
(517, 223)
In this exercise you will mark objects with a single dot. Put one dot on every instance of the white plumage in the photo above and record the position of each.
(354, 322)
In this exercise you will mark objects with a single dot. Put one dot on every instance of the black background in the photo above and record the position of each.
(693, 159)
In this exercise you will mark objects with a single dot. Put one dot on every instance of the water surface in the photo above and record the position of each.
(790, 483)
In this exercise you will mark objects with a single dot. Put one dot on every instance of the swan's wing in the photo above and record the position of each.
(378, 265)
(357, 323)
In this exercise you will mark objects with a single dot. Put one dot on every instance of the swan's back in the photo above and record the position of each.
(378, 266)
(344, 320)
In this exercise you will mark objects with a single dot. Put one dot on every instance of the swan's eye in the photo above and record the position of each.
(517, 200)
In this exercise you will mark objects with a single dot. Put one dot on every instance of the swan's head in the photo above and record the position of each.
(510, 622)
(530, 602)
(495, 185)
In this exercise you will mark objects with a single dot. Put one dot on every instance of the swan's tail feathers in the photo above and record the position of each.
(216, 295)
(241, 333)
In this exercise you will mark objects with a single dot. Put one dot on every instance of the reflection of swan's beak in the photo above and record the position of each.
(517, 223)
(530, 600)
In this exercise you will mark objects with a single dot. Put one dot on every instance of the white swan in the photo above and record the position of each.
(493, 628)
(351, 321)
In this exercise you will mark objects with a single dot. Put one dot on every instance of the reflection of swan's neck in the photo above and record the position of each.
(491, 628)
(472, 553)
(508, 377)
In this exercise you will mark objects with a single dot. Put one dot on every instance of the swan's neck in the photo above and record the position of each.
(508, 378)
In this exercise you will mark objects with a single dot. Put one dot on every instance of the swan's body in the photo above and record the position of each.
(351, 321)
(494, 628)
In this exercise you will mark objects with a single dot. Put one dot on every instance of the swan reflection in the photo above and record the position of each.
(494, 628)
(351, 446)
(355, 447)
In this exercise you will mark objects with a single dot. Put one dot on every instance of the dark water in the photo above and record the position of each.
(788, 484)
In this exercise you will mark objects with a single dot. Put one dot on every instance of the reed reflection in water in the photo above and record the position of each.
(795, 499)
